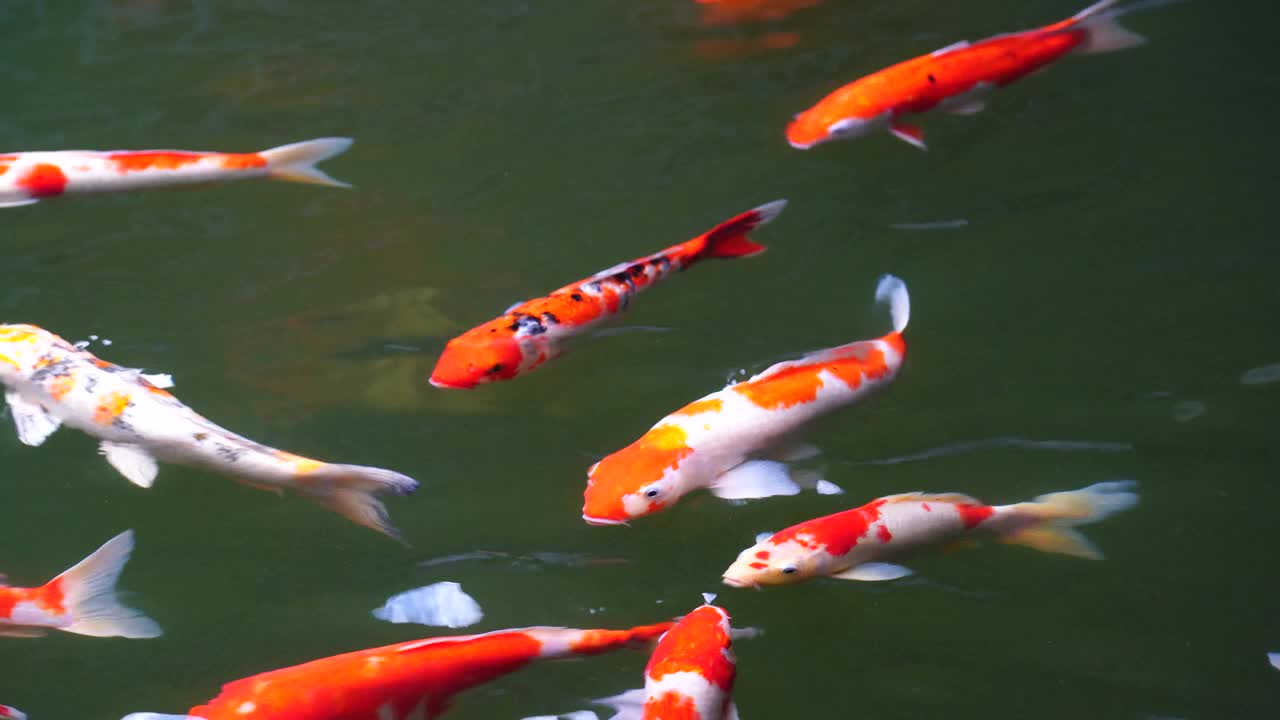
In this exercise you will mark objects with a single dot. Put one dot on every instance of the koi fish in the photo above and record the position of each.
(955, 79)
(30, 177)
(1274, 659)
(690, 674)
(50, 382)
(81, 600)
(529, 333)
(735, 441)
(11, 713)
(852, 545)
(410, 681)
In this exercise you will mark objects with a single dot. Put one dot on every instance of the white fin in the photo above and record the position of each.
(1104, 33)
(131, 461)
(973, 107)
(627, 706)
(89, 591)
(160, 380)
(1094, 9)
(731, 712)
(826, 487)
(761, 537)
(953, 46)
(33, 422)
(442, 604)
(19, 203)
(893, 291)
(514, 306)
(578, 715)
(755, 479)
(909, 134)
(1274, 659)
(296, 162)
(874, 572)
(708, 598)
(21, 632)
(745, 633)
(352, 490)
(157, 716)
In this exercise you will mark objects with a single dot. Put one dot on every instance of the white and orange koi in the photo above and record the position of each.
(50, 382)
(854, 544)
(690, 674)
(11, 713)
(720, 441)
(81, 600)
(530, 333)
(29, 177)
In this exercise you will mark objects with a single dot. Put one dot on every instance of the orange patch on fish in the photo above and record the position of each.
(591, 642)
(671, 706)
(792, 386)
(242, 162)
(44, 180)
(126, 162)
(699, 407)
(111, 407)
(61, 385)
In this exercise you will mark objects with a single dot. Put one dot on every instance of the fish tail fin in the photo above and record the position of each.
(1061, 512)
(89, 594)
(297, 162)
(729, 238)
(1102, 28)
(893, 291)
(352, 490)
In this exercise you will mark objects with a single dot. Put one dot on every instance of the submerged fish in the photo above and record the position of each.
(690, 675)
(720, 441)
(529, 333)
(853, 545)
(30, 177)
(409, 681)
(81, 600)
(954, 79)
(49, 382)
(11, 713)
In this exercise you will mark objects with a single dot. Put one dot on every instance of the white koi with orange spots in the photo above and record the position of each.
(50, 382)
(29, 177)
(81, 600)
(720, 442)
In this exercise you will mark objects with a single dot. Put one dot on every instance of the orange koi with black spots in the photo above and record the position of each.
(723, 441)
(50, 382)
(955, 79)
(81, 600)
(530, 333)
(29, 177)
(415, 680)
(853, 545)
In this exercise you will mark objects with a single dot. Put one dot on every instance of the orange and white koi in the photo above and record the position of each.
(529, 333)
(955, 79)
(81, 600)
(409, 681)
(50, 382)
(690, 674)
(721, 441)
(11, 713)
(854, 544)
(29, 177)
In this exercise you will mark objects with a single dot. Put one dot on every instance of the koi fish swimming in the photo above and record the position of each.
(81, 600)
(530, 333)
(690, 674)
(854, 544)
(737, 441)
(955, 79)
(50, 382)
(415, 680)
(29, 177)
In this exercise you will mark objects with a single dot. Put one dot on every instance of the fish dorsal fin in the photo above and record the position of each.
(950, 48)
(708, 598)
(956, 498)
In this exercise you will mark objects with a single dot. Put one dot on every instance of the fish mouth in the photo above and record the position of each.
(801, 146)
(734, 582)
(602, 521)
(449, 386)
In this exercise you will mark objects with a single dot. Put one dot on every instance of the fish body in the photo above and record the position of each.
(415, 680)
(954, 79)
(690, 675)
(855, 544)
(50, 382)
(11, 713)
(531, 333)
(81, 600)
(718, 441)
(29, 177)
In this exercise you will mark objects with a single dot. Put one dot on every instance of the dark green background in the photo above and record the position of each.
(1119, 262)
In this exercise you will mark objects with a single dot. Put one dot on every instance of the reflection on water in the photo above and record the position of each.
(737, 35)
(970, 446)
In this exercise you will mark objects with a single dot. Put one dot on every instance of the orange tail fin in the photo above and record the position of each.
(729, 238)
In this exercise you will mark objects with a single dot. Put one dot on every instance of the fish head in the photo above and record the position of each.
(485, 354)
(639, 480)
(773, 563)
(824, 123)
(20, 348)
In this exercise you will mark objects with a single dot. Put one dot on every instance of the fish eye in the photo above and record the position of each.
(651, 492)
(496, 368)
(789, 570)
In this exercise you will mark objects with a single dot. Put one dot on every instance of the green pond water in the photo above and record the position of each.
(1093, 317)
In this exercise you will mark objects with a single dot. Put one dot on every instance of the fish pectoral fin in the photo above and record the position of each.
(160, 380)
(874, 572)
(755, 479)
(973, 107)
(908, 133)
(19, 203)
(953, 46)
(626, 706)
(131, 461)
(731, 712)
(21, 632)
(793, 452)
(33, 422)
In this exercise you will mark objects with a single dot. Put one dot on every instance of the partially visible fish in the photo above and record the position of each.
(81, 600)
(29, 177)
(50, 382)
(11, 713)
(529, 333)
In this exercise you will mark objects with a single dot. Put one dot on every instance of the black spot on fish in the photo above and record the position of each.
(228, 453)
(622, 277)
(495, 369)
(637, 270)
(577, 297)
(90, 384)
(201, 437)
(933, 80)
(528, 325)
